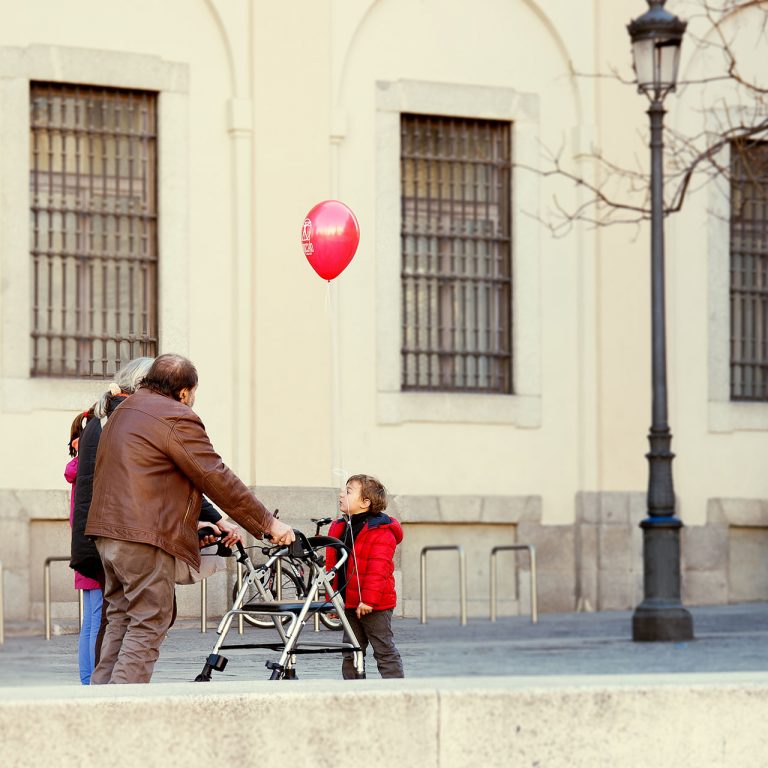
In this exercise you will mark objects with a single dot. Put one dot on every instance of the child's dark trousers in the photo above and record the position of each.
(375, 629)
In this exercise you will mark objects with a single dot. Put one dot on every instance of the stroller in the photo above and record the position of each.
(307, 556)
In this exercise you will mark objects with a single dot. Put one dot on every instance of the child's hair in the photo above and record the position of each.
(371, 489)
(78, 425)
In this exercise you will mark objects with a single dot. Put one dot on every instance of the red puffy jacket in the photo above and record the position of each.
(370, 570)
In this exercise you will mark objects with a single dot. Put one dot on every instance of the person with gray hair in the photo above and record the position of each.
(155, 461)
(84, 557)
(126, 382)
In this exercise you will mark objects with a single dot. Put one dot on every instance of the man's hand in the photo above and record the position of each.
(232, 533)
(206, 541)
(363, 610)
(281, 533)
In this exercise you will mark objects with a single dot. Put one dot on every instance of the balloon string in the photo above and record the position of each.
(331, 308)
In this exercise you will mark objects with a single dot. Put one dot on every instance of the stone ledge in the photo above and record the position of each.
(738, 512)
(466, 509)
(709, 721)
(610, 507)
(34, 505)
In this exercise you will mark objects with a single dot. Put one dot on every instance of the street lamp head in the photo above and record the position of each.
(656, 38)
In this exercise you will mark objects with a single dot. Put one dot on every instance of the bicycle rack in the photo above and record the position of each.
(240, 620)
(532, 555)
(316, 617)
(204, 600)
(278, 595)
(47, 590)
(204, 605)
(462, 580)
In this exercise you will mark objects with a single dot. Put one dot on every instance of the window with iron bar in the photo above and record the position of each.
(749, 270)
(93, 228)
(456, 254)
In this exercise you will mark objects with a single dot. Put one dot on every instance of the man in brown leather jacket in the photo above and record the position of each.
(153, 463)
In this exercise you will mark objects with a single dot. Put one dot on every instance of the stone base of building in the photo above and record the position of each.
(595, 563)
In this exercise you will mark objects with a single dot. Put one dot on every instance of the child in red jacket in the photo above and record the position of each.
(366, 580)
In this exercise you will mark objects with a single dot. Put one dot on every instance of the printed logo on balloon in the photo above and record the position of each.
(329, 237)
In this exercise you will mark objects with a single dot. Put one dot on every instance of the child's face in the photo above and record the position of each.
(350, 501)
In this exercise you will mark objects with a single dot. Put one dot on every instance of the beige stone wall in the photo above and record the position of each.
(36, 526)
(267, 108)
(739, 569)
(723, 561)
(609, 550)
(476, 525)
(594, 564)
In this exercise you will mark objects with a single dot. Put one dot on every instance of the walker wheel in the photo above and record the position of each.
(217, 662)
(277, 671)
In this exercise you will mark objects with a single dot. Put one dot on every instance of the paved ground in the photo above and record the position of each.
(729, 639)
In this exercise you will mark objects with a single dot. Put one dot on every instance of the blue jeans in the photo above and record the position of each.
(86, 648)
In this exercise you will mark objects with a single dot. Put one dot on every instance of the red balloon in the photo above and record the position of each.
(329, 237)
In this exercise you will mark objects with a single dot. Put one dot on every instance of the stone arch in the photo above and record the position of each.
(226, 44)
(533, 6)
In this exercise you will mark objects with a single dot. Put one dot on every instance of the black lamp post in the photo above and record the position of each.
(656, 38)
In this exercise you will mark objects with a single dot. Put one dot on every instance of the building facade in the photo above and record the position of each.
(156, 165)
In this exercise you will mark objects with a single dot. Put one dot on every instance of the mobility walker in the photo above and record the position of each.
(289, 617)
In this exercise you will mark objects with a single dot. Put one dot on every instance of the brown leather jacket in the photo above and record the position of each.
(153, 463)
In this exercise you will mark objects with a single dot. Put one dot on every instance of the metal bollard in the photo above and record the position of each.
(240, 622)
(532, 555)
(462, 581)
(204, 605)
(47, 591)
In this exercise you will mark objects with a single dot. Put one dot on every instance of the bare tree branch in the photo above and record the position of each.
(734, 113)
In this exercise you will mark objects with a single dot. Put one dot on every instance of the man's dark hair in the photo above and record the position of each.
(170, 374)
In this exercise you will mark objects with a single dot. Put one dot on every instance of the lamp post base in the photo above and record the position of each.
(661, 616)
(655, 621)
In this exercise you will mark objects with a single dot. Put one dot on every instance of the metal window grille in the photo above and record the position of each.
(93, 228)
(749, 270)
(456, 254)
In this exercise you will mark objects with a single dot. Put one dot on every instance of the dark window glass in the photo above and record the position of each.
(749, 270)
(93, 228)
(456, 254)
